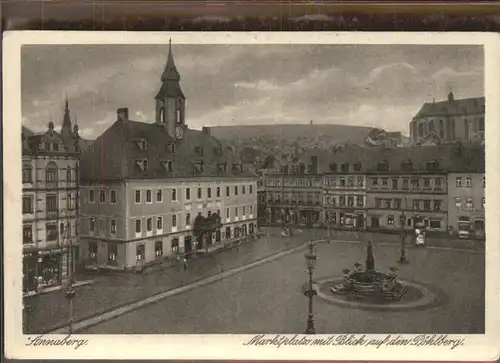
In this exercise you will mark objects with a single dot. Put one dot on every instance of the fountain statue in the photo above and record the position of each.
(370, 283)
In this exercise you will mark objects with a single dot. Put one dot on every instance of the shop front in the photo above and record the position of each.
(346, 219)
(42, 268)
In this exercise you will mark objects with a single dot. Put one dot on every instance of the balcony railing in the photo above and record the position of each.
(52, 213)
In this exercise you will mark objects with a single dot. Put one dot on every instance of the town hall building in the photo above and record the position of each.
(144, 187)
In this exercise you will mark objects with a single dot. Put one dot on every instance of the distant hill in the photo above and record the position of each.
(336, 133)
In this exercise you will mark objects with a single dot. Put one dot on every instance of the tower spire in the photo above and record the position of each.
(66, 125)
(170, 73)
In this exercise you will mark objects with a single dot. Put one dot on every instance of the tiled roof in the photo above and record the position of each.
(449, 157)
(115, 154)
(468, 106)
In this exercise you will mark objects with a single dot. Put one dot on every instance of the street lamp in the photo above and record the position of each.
(27, 311)
(402, 257)
(70, 294)
(311, 264)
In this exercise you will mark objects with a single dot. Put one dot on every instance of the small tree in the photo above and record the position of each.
(212, 224)
(199, 229)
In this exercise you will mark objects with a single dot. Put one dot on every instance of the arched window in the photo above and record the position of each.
(27, 173)
(421, 130)
(51, 173)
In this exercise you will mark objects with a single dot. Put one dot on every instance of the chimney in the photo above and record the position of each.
(314, 164)
(206, 130)
(122, 114)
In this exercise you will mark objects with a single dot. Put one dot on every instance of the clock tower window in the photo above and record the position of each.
(179, 111)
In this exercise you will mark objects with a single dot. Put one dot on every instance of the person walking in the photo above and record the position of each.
(185, 262)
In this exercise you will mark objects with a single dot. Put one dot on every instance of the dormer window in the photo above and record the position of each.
(407, 165)
(238, 168)
(142, 164)
(171, 147)
(168, 165)
(221, 167)
(199, 150)
(142, 144)
(198, 167)
(382, 166)
(432, 165)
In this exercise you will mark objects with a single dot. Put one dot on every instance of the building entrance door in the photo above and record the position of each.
(375, 222)
(361, 221)
(188, 244)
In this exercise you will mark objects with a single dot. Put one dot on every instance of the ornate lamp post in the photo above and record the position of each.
(70, 294)
(402, 257)
(311, 264)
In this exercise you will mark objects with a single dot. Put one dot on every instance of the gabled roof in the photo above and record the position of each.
(115, 154)
(452, 107)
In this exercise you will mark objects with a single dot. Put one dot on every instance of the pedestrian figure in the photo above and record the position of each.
(185, 261)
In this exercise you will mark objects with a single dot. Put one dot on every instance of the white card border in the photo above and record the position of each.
(477, 347)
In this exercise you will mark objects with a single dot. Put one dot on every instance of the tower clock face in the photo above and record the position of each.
(179, 132)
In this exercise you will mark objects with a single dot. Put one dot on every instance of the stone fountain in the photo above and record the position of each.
(370, 284)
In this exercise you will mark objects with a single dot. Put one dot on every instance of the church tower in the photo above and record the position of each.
(66, 132)
(170, 100)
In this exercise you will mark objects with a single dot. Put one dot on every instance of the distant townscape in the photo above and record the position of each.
(152, 195)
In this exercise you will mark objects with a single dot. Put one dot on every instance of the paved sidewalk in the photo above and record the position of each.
(112, 290)
(97, 319)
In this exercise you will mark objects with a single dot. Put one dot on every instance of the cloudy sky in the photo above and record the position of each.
(381, 86)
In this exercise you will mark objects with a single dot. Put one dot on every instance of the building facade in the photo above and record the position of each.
(383, 189)
(345, 190)
(449, 121)
(466, 202)
(50, 205)
(145, 186)
(294, 198)
(400, 196)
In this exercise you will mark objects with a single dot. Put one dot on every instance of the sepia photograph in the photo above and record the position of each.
(179, 186)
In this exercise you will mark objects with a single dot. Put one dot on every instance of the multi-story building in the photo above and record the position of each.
(145, 184)
(408, 183)
(376, 188)
(50, 204)
(294, 198)
(345, 188)
(449, 121)
(466, 195)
